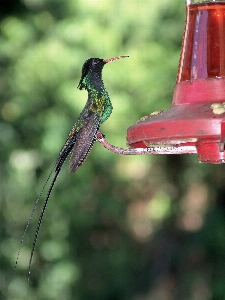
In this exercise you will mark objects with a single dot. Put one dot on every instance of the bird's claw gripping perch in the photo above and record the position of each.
(162, 149)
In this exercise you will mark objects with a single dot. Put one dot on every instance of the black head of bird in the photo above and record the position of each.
(92, 71)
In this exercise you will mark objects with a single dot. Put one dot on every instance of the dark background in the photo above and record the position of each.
(120, 228)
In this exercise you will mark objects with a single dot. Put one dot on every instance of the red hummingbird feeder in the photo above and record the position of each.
(195, 123)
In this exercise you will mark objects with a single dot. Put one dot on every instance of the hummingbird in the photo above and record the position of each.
(82, 136)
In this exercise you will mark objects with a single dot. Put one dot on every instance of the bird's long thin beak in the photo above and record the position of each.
(114, 58)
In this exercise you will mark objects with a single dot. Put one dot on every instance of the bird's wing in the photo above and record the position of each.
(84, 141)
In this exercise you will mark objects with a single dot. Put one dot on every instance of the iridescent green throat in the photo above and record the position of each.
(98, 97)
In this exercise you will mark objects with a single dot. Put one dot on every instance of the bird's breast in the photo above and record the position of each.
(98, 105)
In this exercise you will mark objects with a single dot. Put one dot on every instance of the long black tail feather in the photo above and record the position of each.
(57, 168)
(31, 216)
(40, 220)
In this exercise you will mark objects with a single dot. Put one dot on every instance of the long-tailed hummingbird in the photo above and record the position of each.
(83, 133)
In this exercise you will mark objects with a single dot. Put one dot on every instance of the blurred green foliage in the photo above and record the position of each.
(120, 228)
